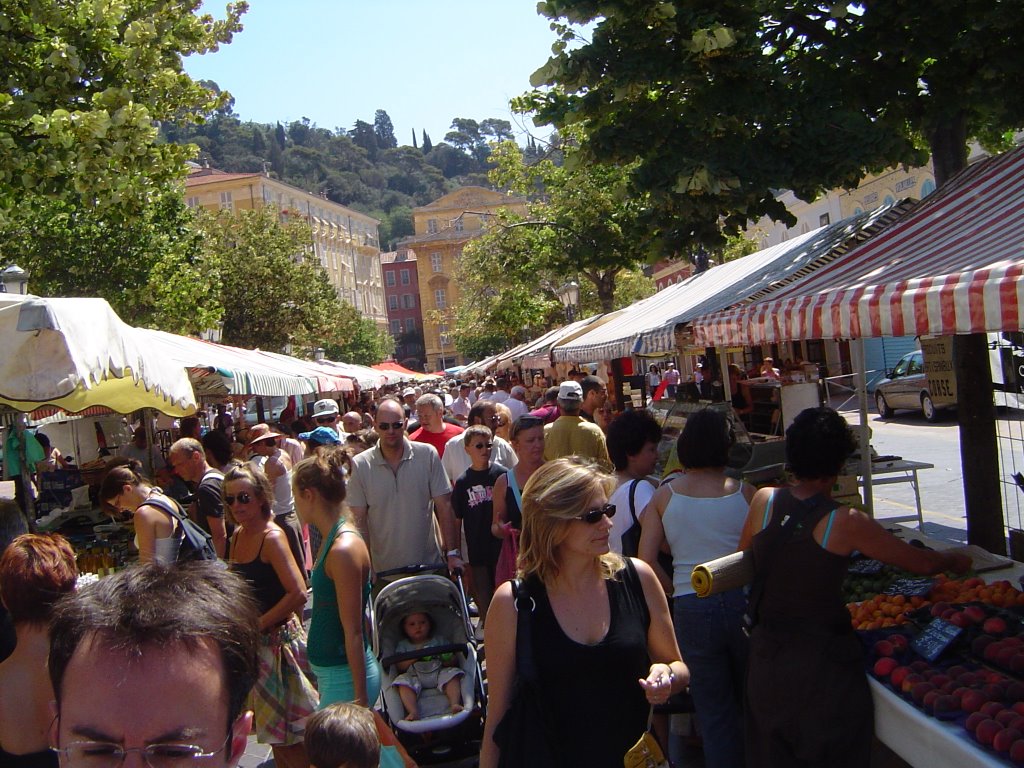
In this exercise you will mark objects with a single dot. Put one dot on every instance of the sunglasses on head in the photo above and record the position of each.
(242, 498)
(591, 516)
(326, 419)
(384, 426)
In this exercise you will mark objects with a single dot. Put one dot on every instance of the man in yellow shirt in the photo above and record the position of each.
(570, 434)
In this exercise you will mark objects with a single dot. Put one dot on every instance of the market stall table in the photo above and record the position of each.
(905, 471)
(919, 739)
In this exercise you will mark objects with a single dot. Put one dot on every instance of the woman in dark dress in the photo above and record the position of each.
(808, 701)
(601, 636)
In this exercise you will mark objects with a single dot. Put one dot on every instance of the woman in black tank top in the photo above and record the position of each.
(601, 646)
(808, 701)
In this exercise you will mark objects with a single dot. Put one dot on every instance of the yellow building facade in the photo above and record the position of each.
(442, 229)
(344, 240)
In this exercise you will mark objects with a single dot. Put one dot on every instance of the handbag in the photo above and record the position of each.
(505, 570)
(524, 733)
(631, 538)
(646, 753)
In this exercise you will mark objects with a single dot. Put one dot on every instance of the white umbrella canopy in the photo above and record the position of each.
(76, 353)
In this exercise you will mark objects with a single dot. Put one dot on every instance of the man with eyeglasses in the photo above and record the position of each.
(326, 413)
(396, 489)
(156, 663)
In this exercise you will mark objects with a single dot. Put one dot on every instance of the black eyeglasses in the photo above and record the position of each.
(384, 426)
(99, 754)
(591, 516)
(326, 419)
(242, 498)
(478, 446)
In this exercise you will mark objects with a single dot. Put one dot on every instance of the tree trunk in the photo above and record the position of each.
(979, 451)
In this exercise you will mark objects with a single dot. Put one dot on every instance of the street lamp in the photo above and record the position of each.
(569, 295)
(14, 279)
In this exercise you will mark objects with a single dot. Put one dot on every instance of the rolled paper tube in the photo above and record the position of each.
(721, 575)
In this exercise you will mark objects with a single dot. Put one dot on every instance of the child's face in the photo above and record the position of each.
(417, 627)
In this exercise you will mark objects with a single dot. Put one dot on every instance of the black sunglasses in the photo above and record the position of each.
(242, 498)
(384, 426)
(478, 446)
(326, 419)
(591, 516)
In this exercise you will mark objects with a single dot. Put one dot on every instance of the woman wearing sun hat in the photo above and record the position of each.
(277, 466)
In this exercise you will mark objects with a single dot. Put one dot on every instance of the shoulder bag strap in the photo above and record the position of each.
(524, 605)
(514, 485)
(632, 500)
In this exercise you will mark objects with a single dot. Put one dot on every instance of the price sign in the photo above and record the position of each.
(938, 369)
(935, 638)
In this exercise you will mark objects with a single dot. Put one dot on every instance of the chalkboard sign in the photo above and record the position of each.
(935, 638)
(909, 586)
(866, 567)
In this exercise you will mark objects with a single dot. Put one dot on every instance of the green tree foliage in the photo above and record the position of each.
(384, 130)
(427, 143)
(363, 135)
(579, 225)
(724, 102)
(364, 343)
(84, 85)
(272, 290)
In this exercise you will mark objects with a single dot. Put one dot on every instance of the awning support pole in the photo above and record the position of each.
(863, 430)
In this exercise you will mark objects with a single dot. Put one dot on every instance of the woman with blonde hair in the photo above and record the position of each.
(284, 695)
(601, 649)
(503, 425)
(35, 571)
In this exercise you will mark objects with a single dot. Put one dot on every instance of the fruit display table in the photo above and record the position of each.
(916, 737)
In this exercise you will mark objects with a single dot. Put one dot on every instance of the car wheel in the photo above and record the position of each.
(883, 407)
(931, 413)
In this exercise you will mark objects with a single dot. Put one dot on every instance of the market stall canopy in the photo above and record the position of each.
(953, 265)
(647, 328)
(364, 376)
(396, 372)
(76, 353)
(539, 354)
(218, 370)
(324, 378)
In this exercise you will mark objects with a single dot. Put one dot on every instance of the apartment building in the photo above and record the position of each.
(405, 315)
(442, 229)
(344, 240)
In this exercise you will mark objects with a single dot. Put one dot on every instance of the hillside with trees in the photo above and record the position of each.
(363, 167)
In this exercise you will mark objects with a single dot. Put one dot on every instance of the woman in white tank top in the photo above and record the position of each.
(700, 514)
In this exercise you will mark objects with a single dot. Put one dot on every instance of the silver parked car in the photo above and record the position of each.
(906, 388)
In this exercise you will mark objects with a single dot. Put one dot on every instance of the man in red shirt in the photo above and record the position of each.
(433, 429)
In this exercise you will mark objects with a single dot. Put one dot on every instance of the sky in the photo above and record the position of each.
(423, 61)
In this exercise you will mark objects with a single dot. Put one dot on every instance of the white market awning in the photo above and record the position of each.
(647, 328)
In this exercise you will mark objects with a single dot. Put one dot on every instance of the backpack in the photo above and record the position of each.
(196, 544)
(631, 537)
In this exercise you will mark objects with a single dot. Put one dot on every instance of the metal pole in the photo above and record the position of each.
(863, 430)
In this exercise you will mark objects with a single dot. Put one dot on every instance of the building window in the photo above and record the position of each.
(226, 203)
(435, 261)
(457, 224)
(823, 220)
(440, 299)
(405, 277)
(431, 226)
(392, 302)
(192, 202)
(396, 327)
(389, 279)
(410, 324)
(408, 301)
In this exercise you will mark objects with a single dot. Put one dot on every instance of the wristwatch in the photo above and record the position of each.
(453, 553)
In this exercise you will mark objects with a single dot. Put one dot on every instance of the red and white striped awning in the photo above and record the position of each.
(952, 265)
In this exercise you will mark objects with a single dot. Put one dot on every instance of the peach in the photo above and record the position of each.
(994, 626)
(1004, 740)
(919, 690)
(884, 666)
(1018, 707)
(973, 720)
(1005, 717)
(1005, 656)
(986, 732)
(946, 704)
(972, 701)
(980, 643)
(960, 619)
(910, 681)
(931, 697)
(920, 666)
(994, 691)
(939, 608)
(991, 708)
(956, 670)
(899, 642)
(883, 648)
(975, 613)
(1017, 752)
(897, 676)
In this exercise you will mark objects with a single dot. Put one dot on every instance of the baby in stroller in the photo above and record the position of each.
(440, 671)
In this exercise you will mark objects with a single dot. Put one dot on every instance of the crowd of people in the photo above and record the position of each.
(577, 556)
